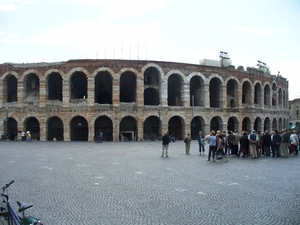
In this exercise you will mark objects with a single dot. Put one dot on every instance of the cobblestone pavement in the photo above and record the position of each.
(130, 183)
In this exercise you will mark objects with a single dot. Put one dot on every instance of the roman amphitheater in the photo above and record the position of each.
(138, 99)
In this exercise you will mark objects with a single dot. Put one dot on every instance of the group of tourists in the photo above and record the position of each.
(252, 145)
(232, 144)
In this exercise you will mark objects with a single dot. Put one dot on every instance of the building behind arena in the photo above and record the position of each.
(138, 99)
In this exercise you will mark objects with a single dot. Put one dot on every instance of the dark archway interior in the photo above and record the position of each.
(104, 124)
(103, 88)
(128, 87)
(12, 89)
(55, 129)
(33, 125)
(151, 128)
(12, 128)
(195, 92)
(79, 129)
(175, 127)
(78, 86)
(55, 87)
(128, 128)
(174, 90)
(214, 93)
(32, 87)
(231, 125)
(196, 126)
(214, 124)
(151, 97)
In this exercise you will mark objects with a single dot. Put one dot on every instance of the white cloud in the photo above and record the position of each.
(7, 37)
(13, 5)
(253, 30)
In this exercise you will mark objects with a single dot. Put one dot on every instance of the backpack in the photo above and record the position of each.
(185, 140)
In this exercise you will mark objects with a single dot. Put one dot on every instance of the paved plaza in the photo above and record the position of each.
(130, 183)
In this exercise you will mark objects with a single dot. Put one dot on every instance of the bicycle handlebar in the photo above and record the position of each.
(7, 185)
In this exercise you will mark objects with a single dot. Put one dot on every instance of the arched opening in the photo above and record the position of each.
(78, 85)
(128, 129)
(257, 124)
(32, 89)
(232, 94)
(196, 126)
(12, 129)
(103, 88)
(33, 125)
(174, 90)
(54, 86)
(267, 95)
(10, 89)
(175, 127)
(128, 87)
(232, 124)
(216, 124)
(246, 125)
(104, 124)
(267, 124)
(215, 93)
(79, 130)
(257, 94)
(246, 93)
(55, 129)
(197, 94)
(151, 128)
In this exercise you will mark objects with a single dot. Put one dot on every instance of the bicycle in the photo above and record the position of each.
(9, 216)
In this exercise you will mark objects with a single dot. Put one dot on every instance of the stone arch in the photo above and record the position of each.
(197, 90)
(232, 85)
(79, 129)
(257, 126)
(267, 124)
(104, 124)
(10, 88)
(151, 128)
(215, 91)
(267, 94)
(128, 87)
(33, 125)
(280, 97)
(11, 128)
(128, 129)
(258, 93)
(274, 124)
(216, 124)
(197, 124)
(246, 124)
(54, 85)
(246, 93)
(232, 123)
(78, 85)
(175, 126)
(175, 90)
(55, 129)
(103, 87)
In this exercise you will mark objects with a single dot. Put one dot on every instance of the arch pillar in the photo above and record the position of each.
(207, 96)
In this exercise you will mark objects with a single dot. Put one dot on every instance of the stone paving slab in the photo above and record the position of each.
(129, 183)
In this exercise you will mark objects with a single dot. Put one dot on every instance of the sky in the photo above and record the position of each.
(163, 30)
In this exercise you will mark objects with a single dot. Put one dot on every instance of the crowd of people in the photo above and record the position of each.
(232, 144)
(254, 144)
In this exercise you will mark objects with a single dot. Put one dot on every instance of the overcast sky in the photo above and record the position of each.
(164, 30)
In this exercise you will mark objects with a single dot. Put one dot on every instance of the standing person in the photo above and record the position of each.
(285, 143)
(28, 138)
(259, 144)
(266, 143)
(165, 144)
(236, 142)
(253, 140)
(276, 142)
(220, 147)
(244, 143)
(231, 140)
(23, 136)
(187, 142)
(211, 138)
(294, 143)
(100, 136)
(201, 142)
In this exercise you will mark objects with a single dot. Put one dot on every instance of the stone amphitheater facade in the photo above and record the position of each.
(137, 99)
